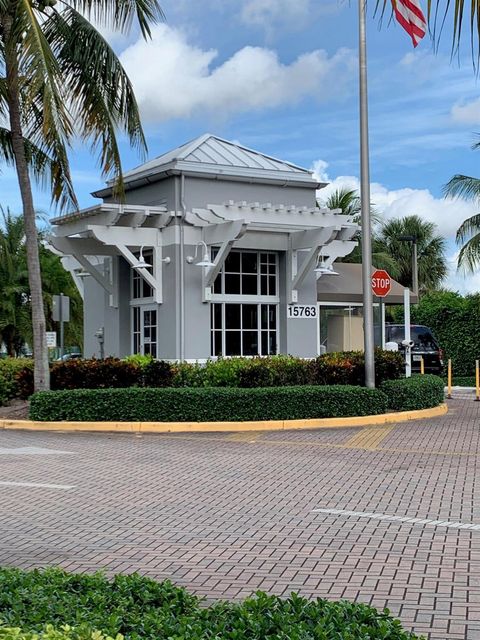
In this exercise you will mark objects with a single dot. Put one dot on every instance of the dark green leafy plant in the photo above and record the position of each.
(9, 370)
(207, 405)
(417, 392)
(139, 608)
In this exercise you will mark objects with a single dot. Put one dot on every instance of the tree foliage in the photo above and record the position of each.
(15, 300)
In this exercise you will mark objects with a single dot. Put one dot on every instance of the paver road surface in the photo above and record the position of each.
(384, 515)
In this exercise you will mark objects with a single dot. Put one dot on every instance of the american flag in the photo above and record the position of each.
(410, 15)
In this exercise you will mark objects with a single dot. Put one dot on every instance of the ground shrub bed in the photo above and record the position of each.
(275, 371)
(417, 392)
(139, 608)
(207, 405)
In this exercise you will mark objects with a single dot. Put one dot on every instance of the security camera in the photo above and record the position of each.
(408, 343)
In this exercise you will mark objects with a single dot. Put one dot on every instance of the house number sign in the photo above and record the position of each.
(300, 311)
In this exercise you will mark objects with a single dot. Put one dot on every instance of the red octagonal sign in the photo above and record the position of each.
(381, 283)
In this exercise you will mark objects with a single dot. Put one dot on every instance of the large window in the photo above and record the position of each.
(243, 329)
(247, 273)
(244, 308)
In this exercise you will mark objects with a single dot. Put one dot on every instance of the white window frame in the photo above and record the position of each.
(259, 329)
(249, 299)
(134, 275)
(143, 308)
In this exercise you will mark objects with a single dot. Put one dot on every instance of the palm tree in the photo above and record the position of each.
(60, 80)
(348, 200)
(468, 234)
(439, 12)
(432, 263)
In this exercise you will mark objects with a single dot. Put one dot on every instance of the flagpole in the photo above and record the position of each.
(365, 202)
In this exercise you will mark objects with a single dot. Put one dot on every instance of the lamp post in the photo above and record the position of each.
(413, 240)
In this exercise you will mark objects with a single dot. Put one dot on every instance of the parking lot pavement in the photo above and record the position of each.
(374, 514)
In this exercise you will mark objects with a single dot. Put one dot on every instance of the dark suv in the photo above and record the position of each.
(424, 346)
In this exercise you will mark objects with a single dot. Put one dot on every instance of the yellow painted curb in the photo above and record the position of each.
(205, 427)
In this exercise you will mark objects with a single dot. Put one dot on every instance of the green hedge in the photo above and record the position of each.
(275, 371)
(417, 392)
(205, 405)
(139, 608)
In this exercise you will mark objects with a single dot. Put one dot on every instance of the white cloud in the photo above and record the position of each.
(273, 14)
(458, 280)
(446, 213)
(466, 112)
(175, 79)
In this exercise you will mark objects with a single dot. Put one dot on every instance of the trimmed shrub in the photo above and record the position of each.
(139, 608)
(3, 391)
(157, 373)
(84, 374)
(348, 367)
(417, 392)
(10, 369)
(206, 405)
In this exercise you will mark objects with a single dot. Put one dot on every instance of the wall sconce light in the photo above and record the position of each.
(82, 273)
(205, 262)
(142, 263)
(322, 268)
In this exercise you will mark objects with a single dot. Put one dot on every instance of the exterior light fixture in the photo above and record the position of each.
(322, 268)
(205, 262)
(142, 263)
(82, 273)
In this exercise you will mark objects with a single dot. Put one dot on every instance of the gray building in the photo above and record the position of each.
(215, 251)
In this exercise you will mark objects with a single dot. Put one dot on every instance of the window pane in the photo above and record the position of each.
(216, 343)
(232, 316)
(217, 316)
(272, 314)
(249, 262)
(249, 316)
(232, 343)
(249, 285)
(272, 258)
(232, 284)
(250, 343)
(264, 313)
(232, 262)
(272, 286)
(263, 285)
(264, 343)
(147, 291)
(272, 347)
(217, 285)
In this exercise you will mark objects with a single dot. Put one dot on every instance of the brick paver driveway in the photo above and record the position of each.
(225, 514)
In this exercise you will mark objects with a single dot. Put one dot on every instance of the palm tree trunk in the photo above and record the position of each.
(40, 351)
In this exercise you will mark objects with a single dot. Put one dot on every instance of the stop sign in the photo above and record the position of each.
(381, 283)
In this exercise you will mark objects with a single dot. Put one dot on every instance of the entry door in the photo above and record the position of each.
(145, 330)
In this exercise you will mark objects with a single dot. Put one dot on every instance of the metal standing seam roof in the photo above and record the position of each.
(209, 151)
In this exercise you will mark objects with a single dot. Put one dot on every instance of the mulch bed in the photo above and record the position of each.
(15, 410)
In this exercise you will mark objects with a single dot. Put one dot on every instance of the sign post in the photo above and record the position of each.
(381, 285)
(61, 314)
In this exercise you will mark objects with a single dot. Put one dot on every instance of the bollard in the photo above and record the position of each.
(422, 366)
(449, 393)
(477, 381)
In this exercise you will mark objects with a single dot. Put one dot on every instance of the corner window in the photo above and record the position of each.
(141, 288)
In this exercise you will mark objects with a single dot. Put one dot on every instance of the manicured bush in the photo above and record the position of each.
(206, 405)
(3, 390)
(348, 367)
(157, 373)
(9, 371)
(417, 392)
(139, 608)
(84, 374)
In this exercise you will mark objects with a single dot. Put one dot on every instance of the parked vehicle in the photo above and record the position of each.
(424, 346)
(69, 356)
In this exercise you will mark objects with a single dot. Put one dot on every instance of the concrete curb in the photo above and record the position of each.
(205, 427)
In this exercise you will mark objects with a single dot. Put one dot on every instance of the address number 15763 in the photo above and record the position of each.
(302, 311)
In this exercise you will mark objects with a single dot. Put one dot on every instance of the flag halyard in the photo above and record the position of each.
(410, 16)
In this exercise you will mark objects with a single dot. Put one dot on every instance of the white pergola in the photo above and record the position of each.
(107, 230)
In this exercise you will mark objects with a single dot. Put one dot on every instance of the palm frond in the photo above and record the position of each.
(469, 256)
(463, 186)
(99, 91)
(119, 14)
(468, 228)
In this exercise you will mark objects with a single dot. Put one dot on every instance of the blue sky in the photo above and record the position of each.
(281, 76)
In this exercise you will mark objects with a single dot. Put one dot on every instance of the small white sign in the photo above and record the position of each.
(302, 311)
(51, 339)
